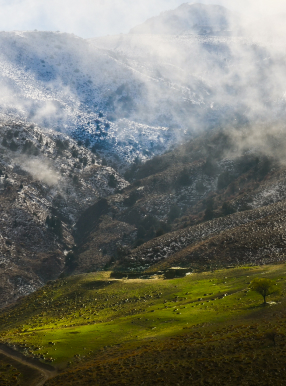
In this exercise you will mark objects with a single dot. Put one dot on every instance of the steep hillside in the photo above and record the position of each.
(212, 184)
(46, 182)
(254, 237)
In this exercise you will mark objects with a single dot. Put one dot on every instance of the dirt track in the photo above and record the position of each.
(43, 371)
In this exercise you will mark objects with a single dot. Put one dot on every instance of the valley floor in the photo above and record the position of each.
(203, 329)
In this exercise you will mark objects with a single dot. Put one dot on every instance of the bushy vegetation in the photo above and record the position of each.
(198, 328)
(55, 224)
(14, 373)
(82, 314)
(29, 148)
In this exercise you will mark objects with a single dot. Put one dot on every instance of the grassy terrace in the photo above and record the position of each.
(77, 318)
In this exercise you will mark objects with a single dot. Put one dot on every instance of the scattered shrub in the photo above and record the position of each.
(184, 178)
(263, 287)
(174, 213)
(224, 180)
(210, 167)
(227, 209)
(209, 214)
(55, 224)
(112, 182)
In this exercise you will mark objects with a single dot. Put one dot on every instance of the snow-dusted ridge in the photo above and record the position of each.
(197, 18)
(44, 174)
(137, 95)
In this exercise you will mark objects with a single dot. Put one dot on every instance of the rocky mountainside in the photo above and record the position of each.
(179, 202)
(92, 164)
(65, 211)
(46, 181)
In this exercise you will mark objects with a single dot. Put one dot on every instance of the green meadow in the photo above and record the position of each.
(75, 318)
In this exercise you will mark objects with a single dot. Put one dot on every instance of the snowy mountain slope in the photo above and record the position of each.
(46, 181)
(58, 81)
(136, 95)
(221, 79)
(70, 85)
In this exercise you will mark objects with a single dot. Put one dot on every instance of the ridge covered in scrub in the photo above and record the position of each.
(205, 196)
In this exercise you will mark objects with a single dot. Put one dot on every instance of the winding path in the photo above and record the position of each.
(46, 371)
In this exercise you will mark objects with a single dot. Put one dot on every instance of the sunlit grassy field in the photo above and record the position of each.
(78, 317)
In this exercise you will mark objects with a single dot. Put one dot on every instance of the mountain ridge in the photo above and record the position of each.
(197, 18)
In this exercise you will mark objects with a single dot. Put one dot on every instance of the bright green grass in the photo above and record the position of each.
(83, 314)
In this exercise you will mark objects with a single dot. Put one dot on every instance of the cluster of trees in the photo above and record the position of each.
(131, 199)
(71, 261)
(55, 224)
(29, 148)
(150, 227)
(9, 135)
(61, 145)
(174, 213)
(112, 182)
(184, 178)
(2, 174)
(210, 168)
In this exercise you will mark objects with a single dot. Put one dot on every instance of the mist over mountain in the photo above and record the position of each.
(142, 192)
(134, 96)
(191, 18)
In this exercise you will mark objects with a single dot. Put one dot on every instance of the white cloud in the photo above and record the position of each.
(89, 18)
(40, 170)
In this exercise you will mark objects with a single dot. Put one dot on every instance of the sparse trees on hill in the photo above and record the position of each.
(55, 225)
(174, 213)
(29, 148)
(224, 180)
(227, 208)
(184, 178)
(209, 214)
(210, 167)
(264, 287)
(112, 181)
(71, 260)
(61, 145)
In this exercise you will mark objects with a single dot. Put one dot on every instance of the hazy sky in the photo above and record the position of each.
(89, 18)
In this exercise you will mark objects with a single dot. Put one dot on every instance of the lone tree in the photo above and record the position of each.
(264, 287)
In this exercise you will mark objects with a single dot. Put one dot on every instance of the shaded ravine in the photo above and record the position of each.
(45, 371)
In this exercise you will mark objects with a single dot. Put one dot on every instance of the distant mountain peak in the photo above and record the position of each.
(197, 18)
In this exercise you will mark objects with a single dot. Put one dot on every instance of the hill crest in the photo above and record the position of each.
(198, 18)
